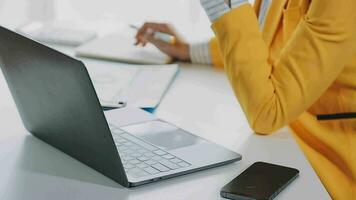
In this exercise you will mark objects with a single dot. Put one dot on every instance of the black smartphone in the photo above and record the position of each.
(260, 181)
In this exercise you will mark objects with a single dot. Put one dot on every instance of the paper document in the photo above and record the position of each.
(55, 34)
(120, 47)
(140, 86)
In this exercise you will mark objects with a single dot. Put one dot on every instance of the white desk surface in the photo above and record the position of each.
(200, 100)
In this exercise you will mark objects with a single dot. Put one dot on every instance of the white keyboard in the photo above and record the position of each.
(141, 158)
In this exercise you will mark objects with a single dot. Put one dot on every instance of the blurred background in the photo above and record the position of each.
(186, 15)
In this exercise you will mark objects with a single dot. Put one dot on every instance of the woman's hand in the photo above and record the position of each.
(178, 49)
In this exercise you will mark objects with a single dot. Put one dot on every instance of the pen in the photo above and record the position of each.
(108, 105)
(158, 35)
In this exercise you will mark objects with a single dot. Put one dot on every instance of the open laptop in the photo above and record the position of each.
(58, 104)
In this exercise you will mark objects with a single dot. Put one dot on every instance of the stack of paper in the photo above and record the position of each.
(120, 47)
(136, 85)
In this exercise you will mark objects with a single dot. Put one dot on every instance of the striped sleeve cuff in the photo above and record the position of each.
(237, 3)
(215, 8)
(200, 53)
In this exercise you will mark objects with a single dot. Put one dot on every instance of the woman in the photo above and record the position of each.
(295, 65)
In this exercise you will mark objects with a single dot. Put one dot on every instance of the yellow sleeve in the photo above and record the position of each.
(274, 94)
(216, 57)
(215, 54)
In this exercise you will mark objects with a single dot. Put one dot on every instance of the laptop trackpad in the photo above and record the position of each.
(162, 134)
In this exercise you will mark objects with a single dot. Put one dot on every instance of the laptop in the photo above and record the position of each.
(58, 104)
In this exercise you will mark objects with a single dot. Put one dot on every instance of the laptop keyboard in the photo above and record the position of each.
(141, 158)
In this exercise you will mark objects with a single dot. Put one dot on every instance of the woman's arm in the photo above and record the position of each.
(200, 52)
(274, 94)
(215, 55)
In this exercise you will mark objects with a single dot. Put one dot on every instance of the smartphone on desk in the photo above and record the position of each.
(259, 181)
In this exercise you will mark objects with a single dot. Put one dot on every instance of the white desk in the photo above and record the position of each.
(201, 101)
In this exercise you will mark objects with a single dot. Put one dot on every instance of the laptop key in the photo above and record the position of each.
(156, 158)
(137, 172)
(127, 158)
(150, 162)
(141, 165)
(130, 144)
(142, 158)
(168, 156)
(128, 166)
(142, 151)
(176, 160)
(135, 147)
(128, 152)
(149, 154)
(139, 142)
(183, 164)
(135, 155)
(169, 164)
(160, 152)
(125, 142)
(140, 174)
(135, 161)
(151, 170)
(160, 167)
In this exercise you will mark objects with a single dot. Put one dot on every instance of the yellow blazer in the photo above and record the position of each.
(299, 70)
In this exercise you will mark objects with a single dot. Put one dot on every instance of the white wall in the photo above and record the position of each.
(12, 12)
(187, 15)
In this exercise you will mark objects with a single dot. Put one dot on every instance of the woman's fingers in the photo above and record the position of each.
(161, 27)
(149, 28)
(146, 34)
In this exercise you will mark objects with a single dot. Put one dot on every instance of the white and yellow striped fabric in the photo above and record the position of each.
(200, 52)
